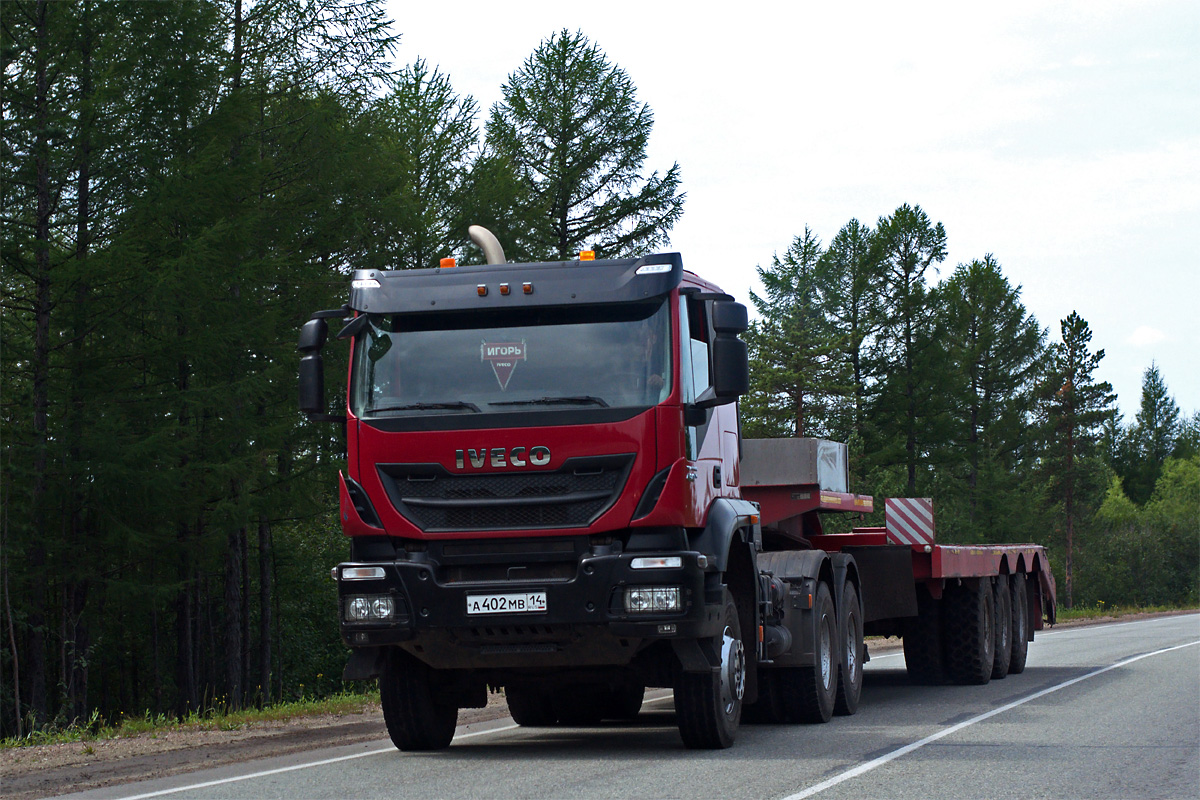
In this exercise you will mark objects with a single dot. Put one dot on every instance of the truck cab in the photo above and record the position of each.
(539, 458)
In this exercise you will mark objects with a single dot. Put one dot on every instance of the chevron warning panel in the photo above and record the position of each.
(910, 520)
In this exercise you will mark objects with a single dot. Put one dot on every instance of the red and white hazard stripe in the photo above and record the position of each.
(910, 520)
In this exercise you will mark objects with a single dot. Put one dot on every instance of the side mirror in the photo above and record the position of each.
(729, 317)
(731, 367)
(312, 366)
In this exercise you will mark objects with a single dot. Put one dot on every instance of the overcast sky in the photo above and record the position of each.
(1063, 138)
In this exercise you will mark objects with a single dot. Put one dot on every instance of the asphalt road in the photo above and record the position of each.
(1108, 711)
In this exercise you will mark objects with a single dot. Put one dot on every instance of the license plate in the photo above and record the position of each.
(522, 603)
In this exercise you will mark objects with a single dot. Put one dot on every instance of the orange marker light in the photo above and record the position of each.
(446, 263)
(481, 290)
(504, 289)
(527, 287)
(587, 255)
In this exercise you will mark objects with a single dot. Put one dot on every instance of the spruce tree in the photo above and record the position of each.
(1152, 438)
(795, 350)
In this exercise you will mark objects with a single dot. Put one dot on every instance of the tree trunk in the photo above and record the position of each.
(233, 619)
(264, 608)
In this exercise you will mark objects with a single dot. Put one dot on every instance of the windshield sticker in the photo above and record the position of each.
(504, 357)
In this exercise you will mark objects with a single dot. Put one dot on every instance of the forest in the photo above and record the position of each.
(185, 182)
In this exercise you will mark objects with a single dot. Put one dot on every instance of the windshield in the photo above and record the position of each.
(532, 359)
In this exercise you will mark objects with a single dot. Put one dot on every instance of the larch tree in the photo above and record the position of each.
(572, 129)
(1074, 407)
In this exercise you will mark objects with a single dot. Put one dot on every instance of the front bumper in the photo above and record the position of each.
(584, 623)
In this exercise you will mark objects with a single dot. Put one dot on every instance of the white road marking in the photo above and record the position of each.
(908, 748)
(294, 767)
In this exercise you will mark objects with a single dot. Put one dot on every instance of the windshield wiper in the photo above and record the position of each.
(456, 404)
(573, 400)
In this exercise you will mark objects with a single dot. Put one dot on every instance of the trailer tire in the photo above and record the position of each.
(1020, 624)
(1002, 613)
(808, 693)
(922, 637)
(850, 668)
(708, 705)
(969, 632)
(414, 717)
(530, 708)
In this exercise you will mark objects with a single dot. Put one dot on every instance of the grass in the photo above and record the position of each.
(95, 728)
(1102, 610)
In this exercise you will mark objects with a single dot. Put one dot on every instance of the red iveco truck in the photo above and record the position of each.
(546, 490)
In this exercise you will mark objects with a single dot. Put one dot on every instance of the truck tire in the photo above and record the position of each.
(580, 705)
(969, 631)
(1002, 612)
(625, 702)
(923, 654)
(768, 709)
(809, 692)
(415, 719)
(708, 705)
(850, 666)
(530, 708)
(1020, 624)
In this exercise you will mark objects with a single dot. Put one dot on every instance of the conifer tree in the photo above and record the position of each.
(1152, 438)
(1074, 406)
(795, 350)
(571, 127)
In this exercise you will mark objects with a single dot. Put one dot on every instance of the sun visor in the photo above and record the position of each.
(508, 286)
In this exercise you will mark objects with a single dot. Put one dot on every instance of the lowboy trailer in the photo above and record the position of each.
(546, 491)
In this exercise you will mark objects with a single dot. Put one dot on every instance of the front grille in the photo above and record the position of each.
(435, 499)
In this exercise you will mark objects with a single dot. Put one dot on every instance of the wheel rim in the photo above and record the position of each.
(826, 655)
(851, 650)
(733, 671)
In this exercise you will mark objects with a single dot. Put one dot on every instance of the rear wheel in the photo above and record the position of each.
(529, 707)
(1020, 624)
(415, 718)
(1004, 639)
(707, 705)
(849, 688)
(625, 702)
(808, 693)
(580, 705)
(923, 656)
(969, 633)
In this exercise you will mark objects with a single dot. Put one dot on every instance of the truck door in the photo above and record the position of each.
(702, 439)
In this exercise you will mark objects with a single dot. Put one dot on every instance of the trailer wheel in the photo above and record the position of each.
(1002, 607)
(414, 717)
(1020, 624)
(709, 705)
(850, 669)
(969, 631)
(923, 655)
(809, 692)
(529, 707)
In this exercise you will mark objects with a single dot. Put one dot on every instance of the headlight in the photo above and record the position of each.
(653, 599)
(369, 608)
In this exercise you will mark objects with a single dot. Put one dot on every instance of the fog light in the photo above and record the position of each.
(369, 608)
(652, 599)
(362, 573)
(656, 562)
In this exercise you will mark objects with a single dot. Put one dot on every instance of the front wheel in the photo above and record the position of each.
(415, 719)
(708, 705)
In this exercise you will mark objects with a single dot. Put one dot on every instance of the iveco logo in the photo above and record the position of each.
(499, 457)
